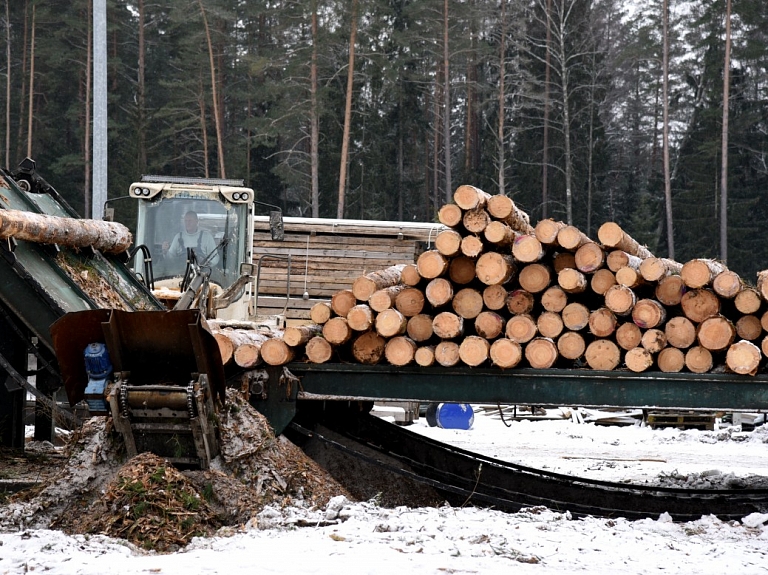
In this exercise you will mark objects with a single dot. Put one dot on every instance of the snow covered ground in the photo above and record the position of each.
(367, 539)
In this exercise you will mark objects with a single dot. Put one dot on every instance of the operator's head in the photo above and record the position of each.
(190, 222)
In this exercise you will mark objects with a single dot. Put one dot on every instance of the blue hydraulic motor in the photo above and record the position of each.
(99, 369)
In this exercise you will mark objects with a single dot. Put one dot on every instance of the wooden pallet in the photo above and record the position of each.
(702, 421)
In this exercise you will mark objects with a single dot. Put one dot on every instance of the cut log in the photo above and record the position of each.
(670, 290)
(108, 237)
(419, 327)
(571, 238)
(494, 268)
(764, 346)
(275, 351)
(227, 340)
(546, 231)
(384, 298)
(727, 284)
(247, 354)
(450, 215)
(391, 323)
(589, 258)
(611, 235)
(504, 209)
(448, 242)
(337, 331)
(653, 269)
(472, 246)
(716, 333)
(743, 357)
(762, 284)
(474, 350)
(521, 328)
(505, 353)
(400, 350)
(628, 336)
(447, 325)
(602, 280)
(541, 353)
(527, 249)
(475, 221)
(360, 317)
(318, 350)
(698, 359)
(470, 197)
(749, 327)
(549, 324)
(629, 277)
(764, 321)
(495, 297)
(520, 301)
(368, 348)
(648, 313)
(439, 292)
(638, 359)
(554, 299)
(295, 335)
(342, 301)
(571, 345)
(320, 312)
(602, 322)
(563, 260)
(700, 272)
(654, 340)
(620, 299)
(680, 332)
(410, 275)
(364, 286)
(410, 301)
(447, 353)
(575, 316)
(617, 259)
(489, 324)
(425, 356)
(670, 360)
(748, 301)
(467, 303)
(432, 264)
(572, 281)
(535, 278)
(602, 354)
(699, 304)
(499, 234)
(462, 270)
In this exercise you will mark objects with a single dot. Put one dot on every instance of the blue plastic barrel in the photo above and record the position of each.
(454, 416)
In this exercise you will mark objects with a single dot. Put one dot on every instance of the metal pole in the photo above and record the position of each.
(99, 108)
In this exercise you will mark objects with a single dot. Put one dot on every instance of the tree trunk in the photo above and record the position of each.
(670, 290)
(489, 324)
(337, 331)
(391, 323)
(724, 143)
(342, 301)
(300, 334)
(494, 268)
(275, 351)
(571, 345)
(747, 301)
(699, 304)
(665, 131)
(447, 325)
(572, 281)
(384, 298)
(467, 303)
(474, 350)
(549, 324)
(629, 277)
(462, 270)
(535, 278)
(743, 357)
(318, 350)
(410, 275)
(400, 350)
(554, 299)
(503, 209)
(364, 286)
(699, 273)
(602, 322)
(31, 106)
(654, 340)
(419, 327)
(716, 333)
(670, 360)
(541, 353)
(499, 234)
(611, 235)
(448, 243)
(628, 336)
(446, 107)
(654, 269)
(602, 354)
(527, 249)
(314, 142)
(217, 112)
(748, 327)
(727, 284)
(618, 259)
(698, 359)
(439, 292)
(369, 348)
(8, 80)
(360, 317)
(575, 316)
(347, 113)
(450, 215)
(447, 353)
(547, 104)
(502, 97)
(476, 220)
(425, 356)
(410, 302)
(571, 238)
(546, 231)
(87, 152)
(432, 264)
(620, 299)
(520, 301)
(602, 280)
(521, 328)
(472, 246)
(505, 353)
(320, 312)
(680, 332)
(638, 359)
(648, 313)
(589, 258)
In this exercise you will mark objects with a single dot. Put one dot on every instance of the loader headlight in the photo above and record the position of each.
(136, 191)
(236, 196)
(145, 191)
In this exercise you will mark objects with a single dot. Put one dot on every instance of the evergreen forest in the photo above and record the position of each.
(580, 110)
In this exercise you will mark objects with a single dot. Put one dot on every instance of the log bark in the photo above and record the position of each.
(462, 270)
(699, 304)
(727, 284)
(571, 238)
(360, 317)
(504, 209)
(425, 356)
(448, 243)
(747, 301)
(572, 281)
(467, 303)
(749, 327)
(549, 324)
(648, 313)
(602, 322)
(368, 348)
(680, 332)
(470, 197)
(495, 297)
(520, 301)
(447, 325)
(499, 234)
(489, 324)
(743, 357)
(575, 316)
(337, 331)
(611, 235)
(546, 231)
(620, 299)
(554, 299)
(602, 280)
(670, 360)
(410, 302)
(318, 350)
(475, 221)
(108, 237)
(472, 246)
(390, 323)
(571, 345)
(716, 333)
(505, 353)
(384, 298)
(301, 334)
(700, 272)
(654, 269)
(638, 359)
(439, 292)
(432, 264)
(447, 353)
(320, 313)
(629, 336)
(589, 258)
(698, 359)
(654, 340)
(535, 278)
(494, 268)
(364, 286)
(450, 215)
(541, 353)
(400, 350)
(419, 327)
(521, 328)
(670, 290)
(527, 249)
(275, 351)
(474, 350)
(342, 301)
(602, 354)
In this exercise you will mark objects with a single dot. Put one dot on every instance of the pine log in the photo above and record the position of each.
(575, 316)
(554, 299)
(748, 301)
(247, 354)
(108, 237)
(749, 327)
(472, 246)
(489, 324)
(462, 270)
(410, 275)
(541, 353)
(602, 280)
(504, 209)
(364, 286)
(698, 359)
(629, 277)
(447, 325)
(535, 278)
(360, 317)
(384, 298)
(572, 281)
(499, 234)
(447, 353)
(638, 359)
(448, 243)
(700, 272)
(654, 340)
(432, 264)
(467, 303)
(653, 269)
(450, 215)
(474, 350)
(368, 348)
(764, 321)
(699, 304)
(680, 332)
(617, 259)
(716, 333)
(762, 284)
(546, 231)
(475, 221)
(320, 312)
(425, 356)
(318, 350)
(495, 297)
(620, 299)
(670, 290)
(549, 324)
(390, 323)
(611, 235)
(527, 249)
(439, 292)
(470, 197)
(764, 346)
(505, 353)
(295, 335)
(520, 301)
(571, 345)
(337, 331)
(410, 301)
(589, 258)
(602, 322)
(419, 327)
(494, 268)
(628, 336)
(743, 357)
(229, 339)
(727, 284)
(275, 351)
(400, 350)
(571, 238)
(670, 360)
(602, 354)
(342, 301)
(563, 260)
(521, 328)
(648, 313)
